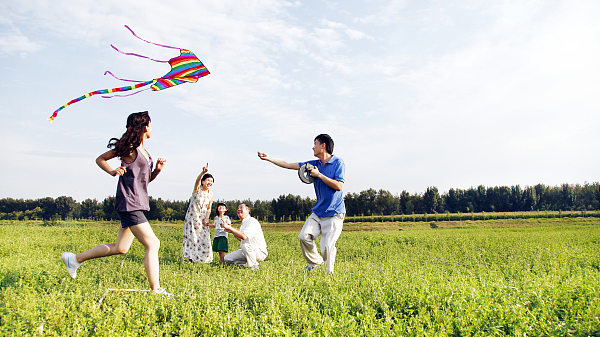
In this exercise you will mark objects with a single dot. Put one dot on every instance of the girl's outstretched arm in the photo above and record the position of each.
(199, 179)
(102, 161)
(160, 163)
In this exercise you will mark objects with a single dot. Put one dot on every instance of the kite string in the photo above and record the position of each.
(156, 44)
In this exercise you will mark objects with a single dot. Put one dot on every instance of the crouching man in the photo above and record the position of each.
(253, 247)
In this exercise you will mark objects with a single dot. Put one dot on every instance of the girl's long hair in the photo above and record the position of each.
(132, 138)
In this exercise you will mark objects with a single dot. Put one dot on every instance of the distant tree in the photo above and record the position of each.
(261, 209)
(48, 207)
(179, 208)
(589, 196)
(157, 207)
(567, 197)
(166, 214)
(385, 203)
(529, 199)
(33, 213)
(517, 199)
(410, 208)
(8, 205)
(16, 215)
(472, 199)
(293, 206)
(351, 202)
(451, 200)
(417, 201)
(367, 200)
(503, 199)
(541, 193)
(66, 207)
(91, 209)
(431, 200)
(278, 207)
(108, 208)
(307, 205)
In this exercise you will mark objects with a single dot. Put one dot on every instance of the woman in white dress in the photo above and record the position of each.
(196, 231)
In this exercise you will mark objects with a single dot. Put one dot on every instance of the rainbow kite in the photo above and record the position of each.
(184, 68)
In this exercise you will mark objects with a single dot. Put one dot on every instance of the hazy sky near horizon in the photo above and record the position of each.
(414, 93)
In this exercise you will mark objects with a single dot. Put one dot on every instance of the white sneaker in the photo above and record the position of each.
(162, 291)
(71, 263)
(254, 267)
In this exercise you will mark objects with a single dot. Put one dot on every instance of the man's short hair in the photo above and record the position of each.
(246, 207)
(326, 139)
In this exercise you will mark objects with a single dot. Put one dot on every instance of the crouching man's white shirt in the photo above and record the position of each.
(254, 234)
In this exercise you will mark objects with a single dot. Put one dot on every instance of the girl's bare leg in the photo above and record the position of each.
(143, 232)
(222, 257)
(124, 240)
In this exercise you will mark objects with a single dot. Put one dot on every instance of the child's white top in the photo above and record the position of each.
(219, 230)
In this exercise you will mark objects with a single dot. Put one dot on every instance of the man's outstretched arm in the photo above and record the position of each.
(279, 162)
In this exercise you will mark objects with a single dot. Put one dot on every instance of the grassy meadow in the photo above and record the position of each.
(529, 277)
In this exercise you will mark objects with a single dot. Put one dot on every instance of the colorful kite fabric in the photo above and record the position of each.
(184, 68)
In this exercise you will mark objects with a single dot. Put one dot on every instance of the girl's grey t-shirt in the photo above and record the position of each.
(132, 189)
(219, 230)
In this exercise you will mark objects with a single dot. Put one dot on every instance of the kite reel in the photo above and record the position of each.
(304, 174)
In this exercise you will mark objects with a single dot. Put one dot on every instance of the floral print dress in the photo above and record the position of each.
(196, 236)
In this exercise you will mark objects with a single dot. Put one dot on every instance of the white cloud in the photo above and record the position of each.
(352, 33)
(386, 15)
(14, 42)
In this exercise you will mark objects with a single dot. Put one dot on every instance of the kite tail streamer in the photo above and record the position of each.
(120, 79)
(138, 55)
(156, 44)
(103, 91)
(133, 93)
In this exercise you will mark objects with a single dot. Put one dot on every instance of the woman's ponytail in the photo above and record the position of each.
(132, 138)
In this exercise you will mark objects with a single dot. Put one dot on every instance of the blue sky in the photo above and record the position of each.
(414, 93)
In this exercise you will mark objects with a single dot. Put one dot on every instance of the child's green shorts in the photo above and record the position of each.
(220, 244)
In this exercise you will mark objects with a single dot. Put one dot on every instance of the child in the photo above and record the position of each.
(196, 230)
(131, 200)
(220, 243)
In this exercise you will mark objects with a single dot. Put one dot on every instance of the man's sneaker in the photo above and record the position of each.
(162, 291)
(309, 269)
(71, 263)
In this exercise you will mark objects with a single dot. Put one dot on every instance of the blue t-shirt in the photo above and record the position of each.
(329, 201)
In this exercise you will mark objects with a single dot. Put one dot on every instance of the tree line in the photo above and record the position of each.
(285, 207)
(566, 197)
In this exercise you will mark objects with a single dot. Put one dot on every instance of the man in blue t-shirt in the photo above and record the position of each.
(327, 218)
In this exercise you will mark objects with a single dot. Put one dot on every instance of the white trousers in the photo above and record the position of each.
(330, 229)
(247, 255)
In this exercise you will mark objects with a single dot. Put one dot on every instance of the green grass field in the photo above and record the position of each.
(528, 278)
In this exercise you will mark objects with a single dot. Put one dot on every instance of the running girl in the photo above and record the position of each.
(131, 200)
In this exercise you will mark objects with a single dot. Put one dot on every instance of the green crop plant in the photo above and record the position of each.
(490, 279)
